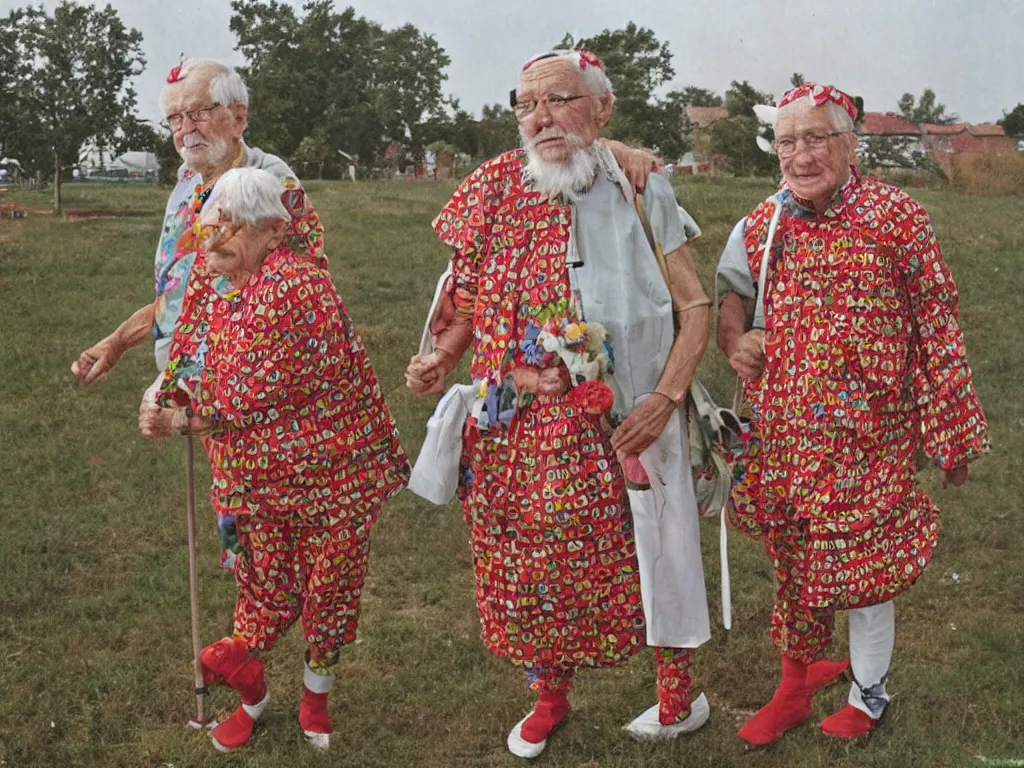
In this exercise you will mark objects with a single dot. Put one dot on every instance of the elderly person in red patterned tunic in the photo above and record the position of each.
(853, 358)
(268, 365)
(571, 322)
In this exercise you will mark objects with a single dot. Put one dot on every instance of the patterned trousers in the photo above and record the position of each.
(292, 570)
(800, 632)
(674, 684)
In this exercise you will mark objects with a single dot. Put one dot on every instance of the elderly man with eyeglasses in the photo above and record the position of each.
(205, 104)
(853, 358)
(577, 371)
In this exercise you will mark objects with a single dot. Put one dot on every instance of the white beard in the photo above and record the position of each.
(215, 153)
(566, 179)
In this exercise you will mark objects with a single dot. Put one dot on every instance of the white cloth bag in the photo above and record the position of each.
(435, 475)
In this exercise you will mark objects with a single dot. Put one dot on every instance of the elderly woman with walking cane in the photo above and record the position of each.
(269, 368)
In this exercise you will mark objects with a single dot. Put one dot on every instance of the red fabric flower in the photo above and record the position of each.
(821, 94)
(589, 59)
(594, 397)
(175, 74)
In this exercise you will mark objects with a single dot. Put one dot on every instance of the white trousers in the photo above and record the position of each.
(872, 637)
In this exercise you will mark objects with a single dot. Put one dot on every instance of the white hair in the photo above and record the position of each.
(250, 196)
(225, 84)
(839, 117)
(594, 78)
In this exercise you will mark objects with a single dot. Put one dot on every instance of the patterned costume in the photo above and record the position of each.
(557, 580)
(865, 357)
(176, 254)
(304, 447)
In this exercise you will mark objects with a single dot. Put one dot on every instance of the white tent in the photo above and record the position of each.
(139, 162)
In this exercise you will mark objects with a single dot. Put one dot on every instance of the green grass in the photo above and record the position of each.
(95, 653)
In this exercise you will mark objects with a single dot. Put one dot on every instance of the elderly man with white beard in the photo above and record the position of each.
(205, 104)
(578, 375)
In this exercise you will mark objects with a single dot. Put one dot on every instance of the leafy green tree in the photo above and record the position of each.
(1013, 121)
(796, 79)
(638, 66)
(734, 140)
(71, 84)
(692, 96)
(337, 79)
(927, 109)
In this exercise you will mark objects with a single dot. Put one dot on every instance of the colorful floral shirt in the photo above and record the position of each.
(176, 251)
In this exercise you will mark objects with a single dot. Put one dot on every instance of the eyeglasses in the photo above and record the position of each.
(197, 116)
(555, 103)
(813, 141)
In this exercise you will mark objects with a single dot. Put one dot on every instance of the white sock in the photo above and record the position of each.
(255, 710)
(316, 683)
(872, 638)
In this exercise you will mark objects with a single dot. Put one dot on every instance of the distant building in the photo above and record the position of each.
(942, 142)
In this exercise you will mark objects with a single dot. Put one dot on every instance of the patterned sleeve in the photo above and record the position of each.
(464, 224)
(305, 236)
(276, 367)
(953, 424)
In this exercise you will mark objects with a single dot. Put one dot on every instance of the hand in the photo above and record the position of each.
(155, 421)
(747, 354)
(643, 425)
(94, 364)
(426, 373)
(635, 163)
(956, 476)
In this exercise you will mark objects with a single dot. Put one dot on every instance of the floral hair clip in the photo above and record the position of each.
(589, 59)
(174, 75)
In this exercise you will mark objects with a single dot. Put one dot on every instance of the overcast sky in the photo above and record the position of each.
(968, 51)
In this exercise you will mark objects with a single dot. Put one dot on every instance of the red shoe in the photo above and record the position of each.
(825, 672)
(315, 719)
(228, 661)
(789, 707)
(530, 735)
(236, 730)
(848, 723)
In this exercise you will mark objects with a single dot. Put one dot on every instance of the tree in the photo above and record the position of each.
(1013, 121)
(741, 98)
(692, 96)
(337, 79)
(926, 109)
(81, 61)
(638, 64)
(796, 79)
(15, 80)
(734, 140)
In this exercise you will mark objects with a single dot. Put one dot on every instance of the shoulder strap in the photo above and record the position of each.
(762, 273)
(641, 209)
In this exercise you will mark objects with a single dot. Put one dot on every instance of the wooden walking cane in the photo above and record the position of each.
(193, 586)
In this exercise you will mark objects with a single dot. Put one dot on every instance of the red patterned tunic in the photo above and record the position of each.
(281, 369)
(552, 538)
(865, 357)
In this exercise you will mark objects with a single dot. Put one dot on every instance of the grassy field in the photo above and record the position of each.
(95, 654)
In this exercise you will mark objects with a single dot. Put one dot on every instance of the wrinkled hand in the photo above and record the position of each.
(747, 355)
(426, 373)
(956, 476)
(546, 381)
(94, 364)
(636, 163)
(155, 421)
(643, 425)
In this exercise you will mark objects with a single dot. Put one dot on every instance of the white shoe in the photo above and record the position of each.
(519, 746)
(321, 741)
(648, 726)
